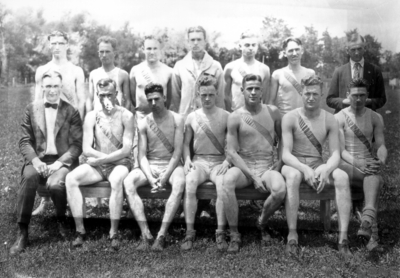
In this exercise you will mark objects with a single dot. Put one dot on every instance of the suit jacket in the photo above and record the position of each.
(184, 84)
(341, 79)
(67, 133)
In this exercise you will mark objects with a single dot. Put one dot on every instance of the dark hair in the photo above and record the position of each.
(312, 80)
(354, 38)
(104, 83)
(207, 80)
(57, 34)
(51, 73)
(359, 83)
(291, 39)
(153, 88)
(251, 77)
(197, 29)
(151, 37)
(107, 39)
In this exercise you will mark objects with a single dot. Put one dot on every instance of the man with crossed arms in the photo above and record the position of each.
(159, 154)
(304, 131)
(250, 140)
(107, 142)
(207, 127)
(357, 126)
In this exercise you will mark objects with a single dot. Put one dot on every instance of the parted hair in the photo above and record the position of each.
(291, 39)
(57, 33)
(312, 80)
(198, 29)
(358, 83)
(153, 88)
(251, 77)
(51, 73)
(104, 83)
(108, 39)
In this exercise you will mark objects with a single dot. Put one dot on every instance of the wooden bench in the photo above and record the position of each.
(207, 191)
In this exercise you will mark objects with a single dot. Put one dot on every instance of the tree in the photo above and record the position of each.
(312, 49)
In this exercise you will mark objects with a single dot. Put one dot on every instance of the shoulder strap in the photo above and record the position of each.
(293, 81)
(207, 130)
(307, 131)
(108, 133)
(146, 75)
(248, 119)
(154, 127)
(357, 131)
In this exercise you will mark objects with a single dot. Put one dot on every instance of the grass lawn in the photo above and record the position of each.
(50, 256)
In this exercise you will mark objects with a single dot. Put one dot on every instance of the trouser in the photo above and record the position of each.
(31, 181)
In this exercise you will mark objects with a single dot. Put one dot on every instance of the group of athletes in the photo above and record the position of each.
(236, 127)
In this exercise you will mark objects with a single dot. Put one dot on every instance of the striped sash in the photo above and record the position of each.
(108, 133)
(248, 119)
(147, 76)
(207, 130)
(293, 81)
(307, 131)
(356, 130)
(154, 127)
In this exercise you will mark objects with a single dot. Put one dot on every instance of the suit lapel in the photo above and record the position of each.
(348, 73)
(367, 72)
(61, 115)
(40, 118)
(189, 64)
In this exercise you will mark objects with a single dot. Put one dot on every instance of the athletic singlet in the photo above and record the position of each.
(251, 143)
(155, 148)
(201, 143)
(100, 73)
(352, 144)
(102, 143)
(288, 98)
(302, 147)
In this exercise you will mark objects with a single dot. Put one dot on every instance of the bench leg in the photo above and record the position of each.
(325, 214)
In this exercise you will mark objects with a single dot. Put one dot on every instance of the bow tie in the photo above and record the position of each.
(52, 105)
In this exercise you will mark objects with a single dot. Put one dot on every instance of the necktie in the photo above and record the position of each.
(357, 67)
(52, 105)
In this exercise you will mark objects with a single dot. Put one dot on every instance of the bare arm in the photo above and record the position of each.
(38, 84)
(90, 99)
(345, 155)
(379, 138)
(88, 136)
(132, 85)
(271, 99)
(80, 91)
(334, 148)
(228, 87)
(222, 101)
(265, 85)
(142, 150)
(125, 90)
(186, 144)
(169, 92)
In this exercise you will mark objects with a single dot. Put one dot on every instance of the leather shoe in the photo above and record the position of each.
(79, 240)
(62, 228)
(20, 244)
(292, 248)
(344, 249)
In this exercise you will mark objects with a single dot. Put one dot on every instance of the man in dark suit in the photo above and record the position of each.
(51, 144)
(356, 68)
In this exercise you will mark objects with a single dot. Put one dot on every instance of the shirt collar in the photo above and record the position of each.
(361, 63)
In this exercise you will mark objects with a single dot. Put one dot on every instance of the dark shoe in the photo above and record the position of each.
(159, 244)
(62, 228)
(20, 244)
(220, 239)
(344, 249)
(266, 239)
(234, 245)
(188, 241)
(292, 248)
(144, 244)
(79, 240)
(115, 243)
(365, 230)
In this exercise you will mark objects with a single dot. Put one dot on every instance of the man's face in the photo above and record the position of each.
(107, 97)
(249, 47)
(312, 97)
(252, 92)
(208, 95)
(156, 101)
(356, 51)
(58, 46)
(357, 97)
(293, 52)
(152, 50)
(106, 53)
(52, 88)
(197, 43)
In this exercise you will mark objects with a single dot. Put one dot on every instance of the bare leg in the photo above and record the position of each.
(343, 201)
(219, 204)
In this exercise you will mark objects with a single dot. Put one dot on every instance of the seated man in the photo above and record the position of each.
(51, 144)
(358, 125)
(250, 143)
(304, 131)
(207, 127)
(107, 141)
(159, 154)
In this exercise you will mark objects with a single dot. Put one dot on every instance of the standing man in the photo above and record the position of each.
(207, 128)
(304, 132)
(196, 63)
(159, 155)
(251, 133)
(285, 86)
(73, 90)
(236, 70)
(107, 142)
(51, 144)
(356, 68)
(357, 126)
(107, 51)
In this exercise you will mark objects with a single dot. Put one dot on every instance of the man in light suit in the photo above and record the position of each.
(356, 68)
(51, 144)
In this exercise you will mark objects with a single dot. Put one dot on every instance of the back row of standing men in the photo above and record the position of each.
(182, 88)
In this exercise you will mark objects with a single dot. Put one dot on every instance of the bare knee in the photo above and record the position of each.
(71, 181)
(341, 180)
(279, 191)
(229, 183)
(293, 176)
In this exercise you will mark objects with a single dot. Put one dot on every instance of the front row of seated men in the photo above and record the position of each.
(52, 143)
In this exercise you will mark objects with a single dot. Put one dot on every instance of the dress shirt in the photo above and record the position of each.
(51, 116)
(353, 68)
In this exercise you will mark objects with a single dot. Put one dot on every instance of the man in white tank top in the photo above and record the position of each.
(250, 143)
(107, 51)
(159, 155)
(304, 132)
(357, 126)
(236, 70)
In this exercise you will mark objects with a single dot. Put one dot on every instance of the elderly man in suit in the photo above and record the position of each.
(356, 68)
(51, 144)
